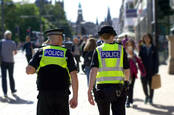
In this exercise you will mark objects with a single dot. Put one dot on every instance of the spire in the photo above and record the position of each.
(108, 19)
(109, 14)
(97, 21)
(80, 6)
(80, 15)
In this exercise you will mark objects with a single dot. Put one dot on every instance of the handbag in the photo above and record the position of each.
(156, 81)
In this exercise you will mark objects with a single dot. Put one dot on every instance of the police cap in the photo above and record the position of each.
(58, 31)
(107, 29)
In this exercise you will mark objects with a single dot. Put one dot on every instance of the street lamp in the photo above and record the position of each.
(2, 18)
(2, 15)
(41, 11)
(156, 23)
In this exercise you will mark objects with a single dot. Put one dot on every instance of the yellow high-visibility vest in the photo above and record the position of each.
(110, 57)
(53, 55)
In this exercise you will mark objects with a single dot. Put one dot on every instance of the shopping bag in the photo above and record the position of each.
(156, 81)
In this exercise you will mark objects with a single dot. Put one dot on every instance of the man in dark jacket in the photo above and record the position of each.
(28, 47)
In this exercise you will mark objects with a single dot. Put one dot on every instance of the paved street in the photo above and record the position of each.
(25, 102)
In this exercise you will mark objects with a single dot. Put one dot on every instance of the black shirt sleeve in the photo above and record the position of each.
(125, 60)
(35, 61)
(70, 61)
(95, 62)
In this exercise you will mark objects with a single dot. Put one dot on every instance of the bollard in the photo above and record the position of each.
(171, 54)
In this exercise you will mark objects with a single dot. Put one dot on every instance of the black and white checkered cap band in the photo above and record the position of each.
(55, 33)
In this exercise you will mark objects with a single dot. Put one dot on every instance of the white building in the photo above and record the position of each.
(129, 16)
(116, 25)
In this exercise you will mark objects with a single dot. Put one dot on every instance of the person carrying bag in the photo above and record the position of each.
(156, 81)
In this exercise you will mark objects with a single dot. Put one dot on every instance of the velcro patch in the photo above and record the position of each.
(54, 53)
(110, 54)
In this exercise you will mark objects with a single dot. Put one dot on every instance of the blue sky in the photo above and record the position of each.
(92, 9)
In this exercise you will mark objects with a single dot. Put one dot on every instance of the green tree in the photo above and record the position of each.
(163, 13)
(20, 17)
(28, 18)
(9, 15)
(57, 18)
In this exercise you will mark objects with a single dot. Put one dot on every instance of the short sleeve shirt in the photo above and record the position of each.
(35, 61)
(53, 77)
(8, 46)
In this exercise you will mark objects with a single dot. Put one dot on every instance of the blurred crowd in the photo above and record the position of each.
(142, 57)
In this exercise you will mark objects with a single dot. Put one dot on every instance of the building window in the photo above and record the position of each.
(129, 5)
(172, 4)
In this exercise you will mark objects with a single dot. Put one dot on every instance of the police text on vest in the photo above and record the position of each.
(110, 54)
(54, 53)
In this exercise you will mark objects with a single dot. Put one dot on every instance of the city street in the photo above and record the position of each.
(26, 100)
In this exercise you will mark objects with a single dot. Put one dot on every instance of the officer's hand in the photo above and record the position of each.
(73, 102)
(90, 98)
(126, 87)
(30, 69)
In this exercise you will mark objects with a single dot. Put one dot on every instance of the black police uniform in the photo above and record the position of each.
(118, 106)
(103, 93)
(53, 83)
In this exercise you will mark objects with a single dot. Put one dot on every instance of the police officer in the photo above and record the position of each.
(55, 68)
(110, 70)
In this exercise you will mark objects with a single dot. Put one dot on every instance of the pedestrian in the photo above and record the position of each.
(149, 56)
(68, 44)
(99, 41)
(28, 47)
(110, 70)
(140, 43)
(85, 38)
(125, 40)
(55, 67)
(134, 60)
(87, 54)
(8, 50)
(76, 51)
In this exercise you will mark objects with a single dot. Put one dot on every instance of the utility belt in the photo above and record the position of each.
(54, 93)
(108, 92)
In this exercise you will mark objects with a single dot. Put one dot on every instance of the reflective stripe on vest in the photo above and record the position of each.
(108, 74)
(53, 55)
(110, 78)
(117, 68)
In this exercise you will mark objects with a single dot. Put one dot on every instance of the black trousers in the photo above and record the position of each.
(28, 57)
(52, 104)
(146, 83)
(6, 66)
(77, 58)
(131, 88)
(117, 104)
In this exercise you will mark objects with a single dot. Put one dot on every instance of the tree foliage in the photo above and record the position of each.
(58, 18)
(163, 13)
(164, 8)
(28, 17)
(20, 17)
